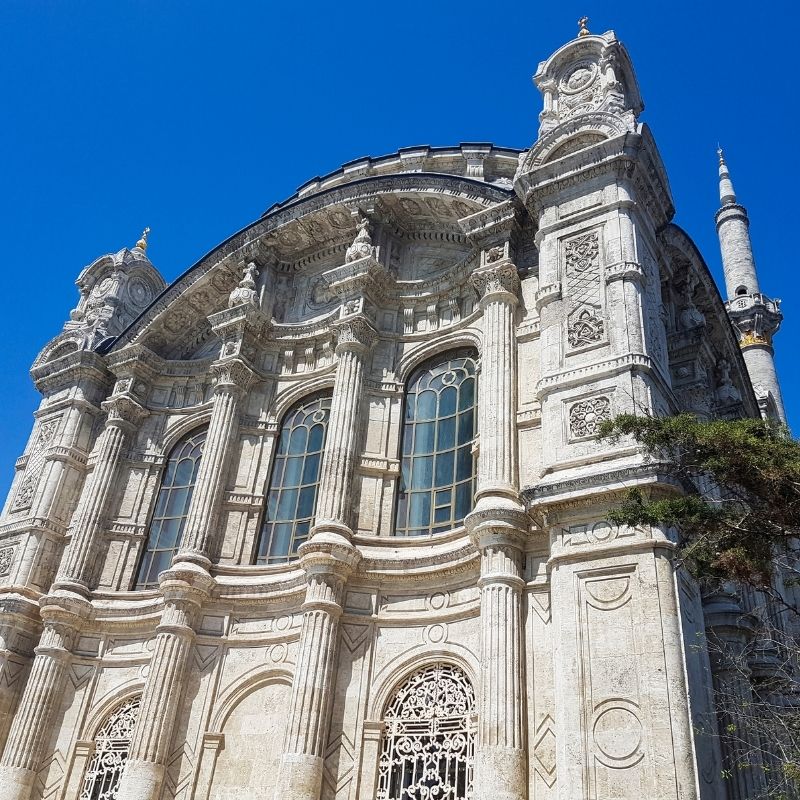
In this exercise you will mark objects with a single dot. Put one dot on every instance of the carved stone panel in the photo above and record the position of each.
(33, 470)
(583, 291)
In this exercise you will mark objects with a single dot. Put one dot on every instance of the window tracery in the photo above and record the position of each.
(437, 483)
(112, 744)
(172, 508)
(294, 481)
(428, 746)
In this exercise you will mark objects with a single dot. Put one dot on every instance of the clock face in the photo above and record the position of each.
(137, 289)
(579, 78)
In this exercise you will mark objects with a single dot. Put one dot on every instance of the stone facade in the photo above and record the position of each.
(202, 590)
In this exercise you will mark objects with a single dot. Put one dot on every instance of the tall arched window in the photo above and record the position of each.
(111, 746)
(438, 474)
(172, 507)
(292, 493)
(429, 740)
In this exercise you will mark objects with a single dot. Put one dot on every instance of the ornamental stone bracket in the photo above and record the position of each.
(241, 329)
(755, 317)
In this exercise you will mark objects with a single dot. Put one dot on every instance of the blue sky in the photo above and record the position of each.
(194, 117)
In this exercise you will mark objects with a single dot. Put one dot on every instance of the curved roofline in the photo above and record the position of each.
(371, 161)
(711, 285)
(501, 194)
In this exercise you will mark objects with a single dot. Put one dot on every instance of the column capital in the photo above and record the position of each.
(123, 411)
(354, 332)
(232, 375)
(496, 278)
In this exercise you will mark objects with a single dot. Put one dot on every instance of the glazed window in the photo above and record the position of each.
(429, 740)
(172, 508)
(293, 484)
(437, 483)
(111, 747)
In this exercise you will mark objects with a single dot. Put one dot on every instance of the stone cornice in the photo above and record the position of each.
(71, 369)
(609, 481)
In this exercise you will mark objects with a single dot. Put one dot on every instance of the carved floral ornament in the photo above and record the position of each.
(36, 460)
(232, 374)
(354, 331)
(494, 278)
(586, 416)
(586, 329)
(6, 560)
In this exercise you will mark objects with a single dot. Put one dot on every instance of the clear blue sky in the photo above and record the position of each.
(194, 117)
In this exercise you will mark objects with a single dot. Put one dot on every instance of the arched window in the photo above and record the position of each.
(429, 740)
(292, 493)
(111, 745)
(172, 506)
(438, 473)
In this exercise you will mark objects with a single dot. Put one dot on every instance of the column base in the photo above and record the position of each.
(300, 777)
(500, 774)
(16, 783)
(141, 780)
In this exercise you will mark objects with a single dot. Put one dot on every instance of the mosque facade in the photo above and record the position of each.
(326, 517)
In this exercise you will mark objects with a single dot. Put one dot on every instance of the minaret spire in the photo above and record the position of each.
(727, 196)
(755, 316)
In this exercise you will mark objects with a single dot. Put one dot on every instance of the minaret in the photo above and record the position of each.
(755, 316)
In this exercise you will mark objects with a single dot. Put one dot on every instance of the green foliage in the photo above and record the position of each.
(743, 491)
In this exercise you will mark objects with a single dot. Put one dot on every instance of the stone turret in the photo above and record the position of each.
(755, 316)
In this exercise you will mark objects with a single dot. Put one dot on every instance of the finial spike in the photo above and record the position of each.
(142, 243)
(582, 29)
(727, 195)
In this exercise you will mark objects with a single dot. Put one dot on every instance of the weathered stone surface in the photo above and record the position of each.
(526, 649)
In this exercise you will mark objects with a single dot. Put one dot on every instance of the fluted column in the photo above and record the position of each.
(184, 587)
(124, 414)
(354, 338)
(498, 526)
(328, 558)
(32, 725)
(233, 377)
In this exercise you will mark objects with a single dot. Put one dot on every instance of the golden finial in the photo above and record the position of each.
(582, 29)
(720, 154)
(142, 243)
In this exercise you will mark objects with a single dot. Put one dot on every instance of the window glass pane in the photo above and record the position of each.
(316, 438)
(426, 406)
(422, 472)
(439, 417)
(293, 471)
(446, 434)
(420, 510)
(423, 437)
(297, 441)
(465, 427)
(171, 509)
(183, 473)
(466, 395)
(444, 469)
(464, 463)
(447, 401)
(287, 504)
(311, 468)
(463, 501)
(292, 492)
